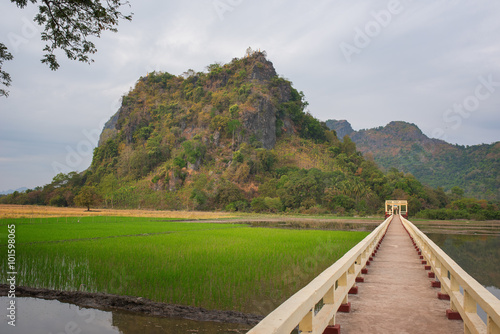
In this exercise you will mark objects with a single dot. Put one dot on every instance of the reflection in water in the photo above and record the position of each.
(51, 316)
(479, 256)
(364, 226)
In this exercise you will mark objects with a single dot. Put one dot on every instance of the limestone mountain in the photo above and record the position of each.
(235, 137)
(435, 162)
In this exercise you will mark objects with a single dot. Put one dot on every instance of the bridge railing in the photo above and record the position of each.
(332, 286)
(464, 292)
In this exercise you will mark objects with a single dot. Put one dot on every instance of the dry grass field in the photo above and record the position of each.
(29, 211)
(468, 227)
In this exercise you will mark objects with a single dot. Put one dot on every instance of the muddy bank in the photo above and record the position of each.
(135, 304)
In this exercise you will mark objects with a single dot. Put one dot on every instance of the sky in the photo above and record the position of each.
(432, 63)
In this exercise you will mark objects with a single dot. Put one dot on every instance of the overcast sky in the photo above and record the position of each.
(432, 63)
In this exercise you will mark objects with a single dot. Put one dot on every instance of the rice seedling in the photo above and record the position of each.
(78, 228)
(217, 266)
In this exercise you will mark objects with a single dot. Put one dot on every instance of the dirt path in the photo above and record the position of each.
(109, 302)
(397, 296)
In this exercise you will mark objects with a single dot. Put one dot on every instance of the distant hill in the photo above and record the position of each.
(10, 191)
(435, 162)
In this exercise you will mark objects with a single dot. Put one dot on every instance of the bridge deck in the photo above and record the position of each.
(396, 296)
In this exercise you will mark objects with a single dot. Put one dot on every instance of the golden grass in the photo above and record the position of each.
(32, 211)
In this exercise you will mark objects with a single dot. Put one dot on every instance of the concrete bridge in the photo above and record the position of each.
(394, 281)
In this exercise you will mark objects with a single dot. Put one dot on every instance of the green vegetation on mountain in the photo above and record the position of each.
(233, 138)
(401, 145)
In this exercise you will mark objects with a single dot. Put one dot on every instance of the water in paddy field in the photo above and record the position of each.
(346, 225)
(478, 255)
(53, 317)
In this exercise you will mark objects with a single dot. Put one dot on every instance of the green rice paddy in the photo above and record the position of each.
(216, 266)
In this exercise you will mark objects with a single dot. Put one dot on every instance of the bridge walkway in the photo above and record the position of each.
(396, 295)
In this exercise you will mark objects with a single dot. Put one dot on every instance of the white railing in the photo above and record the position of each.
(332, 286)
(464, 292)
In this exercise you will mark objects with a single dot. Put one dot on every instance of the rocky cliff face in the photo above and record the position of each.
(261, 123)
(341, 127)
(257, 84)
(262, 69)
(109, 130)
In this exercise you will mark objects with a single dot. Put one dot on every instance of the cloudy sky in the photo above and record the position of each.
(432, 63)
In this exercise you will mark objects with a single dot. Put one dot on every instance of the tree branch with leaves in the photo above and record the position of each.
(4, 76)
(68, 25)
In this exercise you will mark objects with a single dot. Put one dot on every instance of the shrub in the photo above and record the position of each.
(58, 200)
(267, 204)
(179, 162)
(238, 157)
(443, 214)
(241, 205)
(230, 207)
(258, 204)
(237, 206)
(227, 193)
(273, 204)
(220, 123)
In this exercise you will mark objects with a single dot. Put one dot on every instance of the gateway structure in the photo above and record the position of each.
(396, 207)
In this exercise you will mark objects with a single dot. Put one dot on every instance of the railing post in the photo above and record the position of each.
(443, 277)
(352, 269)
(439, 268)
(454, 287)
(493, 328)
(470, 305)
(343, 285)
(357, 264)
(343, 280)
(329, 298)
(306, 324)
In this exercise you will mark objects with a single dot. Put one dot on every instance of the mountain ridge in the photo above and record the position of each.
(10, 191)
(404, 146)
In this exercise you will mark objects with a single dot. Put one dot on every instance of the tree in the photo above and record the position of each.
(67, 25)
(227, 193)
(457, 192)
(358, 189)
(87, 197)
(108, 185)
